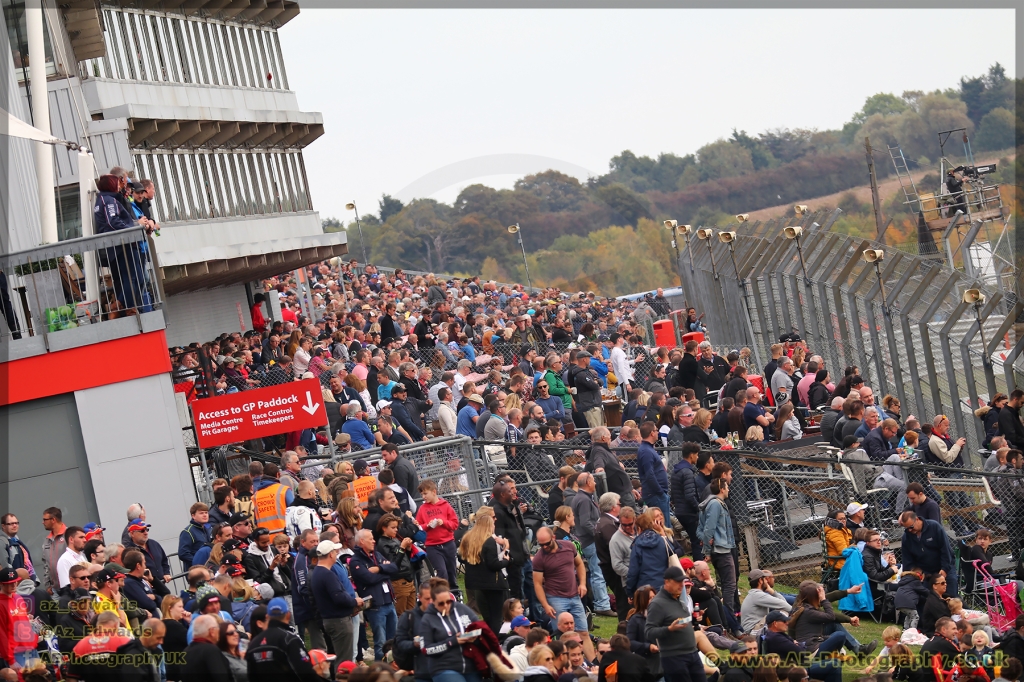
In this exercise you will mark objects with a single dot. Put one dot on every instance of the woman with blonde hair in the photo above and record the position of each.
(649, 556)
(485, 557)
(243, 601)
(292, 345)
(350, 518)
(513, 402)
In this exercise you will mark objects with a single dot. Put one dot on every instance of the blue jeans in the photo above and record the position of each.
(834, 629)
(790, 598)
(828, 669)
(683, 668)
(661, 502)
(383, 620)
(597, 583)
(572, 605)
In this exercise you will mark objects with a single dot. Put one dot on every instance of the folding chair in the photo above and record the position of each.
(829, 573)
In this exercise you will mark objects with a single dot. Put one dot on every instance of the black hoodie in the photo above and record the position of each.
(440, 638)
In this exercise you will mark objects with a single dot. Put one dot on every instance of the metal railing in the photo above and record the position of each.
(44, 291)
(902, 321)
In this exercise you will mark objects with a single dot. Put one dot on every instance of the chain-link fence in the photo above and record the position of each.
(901, 320)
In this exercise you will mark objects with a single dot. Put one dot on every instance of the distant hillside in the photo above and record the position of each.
(605, 234)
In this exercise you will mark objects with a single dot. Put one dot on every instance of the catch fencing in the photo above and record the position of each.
(902, 320)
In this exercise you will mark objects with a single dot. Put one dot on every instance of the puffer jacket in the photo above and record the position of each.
(391, 549)
(873, 565)
(648, 560)
(836, 540)
(910, 591)
(683, 484)
(440, 638)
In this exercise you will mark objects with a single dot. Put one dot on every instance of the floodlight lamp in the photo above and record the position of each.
(974, 296)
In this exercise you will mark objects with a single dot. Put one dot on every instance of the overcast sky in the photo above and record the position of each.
(404, 93)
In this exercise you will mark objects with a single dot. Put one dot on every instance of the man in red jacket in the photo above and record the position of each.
(19, 647)
(438, 519)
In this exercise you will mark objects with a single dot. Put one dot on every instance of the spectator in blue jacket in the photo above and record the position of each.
(648, 557)
(653, 477)
(304, 609)
(926, 546)
(356, 428)
(553, 406)
(136, 588)
(466, 422)
(372, 574)
(195, 535)
(400, 411)
(335, 599)
(220, 532)
(598, 364)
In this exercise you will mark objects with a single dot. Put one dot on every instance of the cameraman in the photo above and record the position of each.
(955, 187)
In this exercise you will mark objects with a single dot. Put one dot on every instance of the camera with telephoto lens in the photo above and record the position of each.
(976, 171)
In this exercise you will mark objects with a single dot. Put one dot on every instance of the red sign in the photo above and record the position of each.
(246, 415)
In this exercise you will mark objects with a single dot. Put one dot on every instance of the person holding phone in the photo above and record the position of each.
(444, 628)
(670, 626)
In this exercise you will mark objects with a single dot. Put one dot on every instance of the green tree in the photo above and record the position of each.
(624, 202)
(918, 130)
(331, 225)
(556, 191)
(982, 94)
(996, 130)
(389, 206)
(760, 155)
(723, 159)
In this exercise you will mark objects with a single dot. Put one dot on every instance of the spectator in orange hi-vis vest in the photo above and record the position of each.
(271, 500)
(364, 484)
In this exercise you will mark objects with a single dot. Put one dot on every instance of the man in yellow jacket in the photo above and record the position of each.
(271, 500)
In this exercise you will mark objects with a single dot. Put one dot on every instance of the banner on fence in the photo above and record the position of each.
(247, 415)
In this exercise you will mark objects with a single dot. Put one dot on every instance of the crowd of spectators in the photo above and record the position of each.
(302, 571)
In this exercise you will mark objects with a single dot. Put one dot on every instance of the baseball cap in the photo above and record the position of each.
(346, 666)
(208, 599)
(381, 404)
(318, 656)
(737, 647)
(686, 562)
(755, 575)
(360, 465)
(674, 573)
(326, 547)
(232, 544)
(259, 532)
(855, 507)
(8, 576)
(239, 517)
(277, 607)
(101, 576)
(137, 526)
(520, 621)
(525, 348)
(80, 593)
(775, 617)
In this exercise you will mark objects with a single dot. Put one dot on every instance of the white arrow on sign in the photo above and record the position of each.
(310, 407)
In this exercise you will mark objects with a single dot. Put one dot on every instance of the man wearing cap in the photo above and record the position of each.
(588, 390)
(778, 641)
(670, 626)
(262, 563)
(402, 410)
(760, 601)
(855, 512)
(468, 416)
(335, 600)
(108, 593)
(271, 500)
(156, 557)
(15, 617)
(73, 624)
(524, 333)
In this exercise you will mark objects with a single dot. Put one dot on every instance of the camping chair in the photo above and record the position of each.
(856, 473)
(829, 573)
(971, 588)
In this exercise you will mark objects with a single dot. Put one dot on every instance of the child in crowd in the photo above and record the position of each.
(981, 654)
(890, 637)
